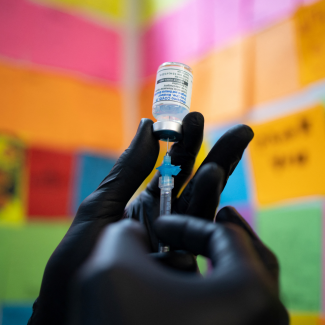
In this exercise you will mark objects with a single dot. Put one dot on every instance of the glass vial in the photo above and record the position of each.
(172, 99)
(173, 91)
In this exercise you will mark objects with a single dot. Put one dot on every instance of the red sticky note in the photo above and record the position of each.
(50, 176)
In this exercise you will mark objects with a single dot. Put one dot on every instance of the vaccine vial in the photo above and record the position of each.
(172, 99)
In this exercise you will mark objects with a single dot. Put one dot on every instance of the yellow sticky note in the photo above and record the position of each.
(276, 71)
(220, 83)
(11, 179)
(204, 151)
(297, 319)
(310, 30)
(288, 156)
(112, 8)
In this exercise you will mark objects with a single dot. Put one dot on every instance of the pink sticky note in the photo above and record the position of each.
(13, 29)
(171, 38)
(191, 31)
(52, 37)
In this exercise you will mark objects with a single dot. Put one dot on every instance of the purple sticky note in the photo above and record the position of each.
(47, 36)
(247, 212)
(308, 2)
(323, 261)
(262, 13)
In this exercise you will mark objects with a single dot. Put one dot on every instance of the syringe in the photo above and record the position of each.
(166, 184)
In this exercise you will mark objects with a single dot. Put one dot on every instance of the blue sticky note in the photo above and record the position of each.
(91, 170)
(237, 188)
(16, 314)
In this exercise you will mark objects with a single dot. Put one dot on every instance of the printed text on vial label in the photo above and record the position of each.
(173, 85)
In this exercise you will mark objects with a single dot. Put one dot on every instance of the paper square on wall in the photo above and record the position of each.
(12, 159)
(50, 176)
(288, 158)
(220, 83)
(310, 31)
(276, 64)
(28, 249)
(90, 172)
(294, 234)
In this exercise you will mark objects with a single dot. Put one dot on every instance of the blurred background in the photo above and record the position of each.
(76, 77)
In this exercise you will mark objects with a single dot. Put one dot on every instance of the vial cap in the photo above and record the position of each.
(171, 130)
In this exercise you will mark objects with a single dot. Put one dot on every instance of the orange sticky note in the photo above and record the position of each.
(219, 83)
(310, 29)
(301, 319)
(288, 157)
(276, 64)
(54, 110)
(146, 93)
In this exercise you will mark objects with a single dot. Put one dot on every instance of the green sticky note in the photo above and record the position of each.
(29, 250)
(294, 234)
(5, 245)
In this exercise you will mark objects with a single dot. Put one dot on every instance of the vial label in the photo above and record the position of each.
(173, 85)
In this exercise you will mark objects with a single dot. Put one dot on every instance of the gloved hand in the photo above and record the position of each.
(107, 203)
(201, 196)
(122, 284)
(230, 215)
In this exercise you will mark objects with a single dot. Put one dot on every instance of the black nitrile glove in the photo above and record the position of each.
(107, 204)
(230, 215)
(200, 198)
(121, 284)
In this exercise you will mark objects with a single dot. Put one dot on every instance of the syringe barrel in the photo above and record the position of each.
(166, 184)
(165, 202)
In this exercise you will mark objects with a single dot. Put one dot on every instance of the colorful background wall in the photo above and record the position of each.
(76, 76)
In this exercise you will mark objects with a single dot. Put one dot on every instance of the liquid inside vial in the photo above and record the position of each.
(173, 90)
(172, 112)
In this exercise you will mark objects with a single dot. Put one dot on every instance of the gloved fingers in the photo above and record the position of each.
(177, 260)
(226, 153)
(228, 246)
(120, 243)
(206, 190)
(130, 170)
(184, 152)
(229, 215)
